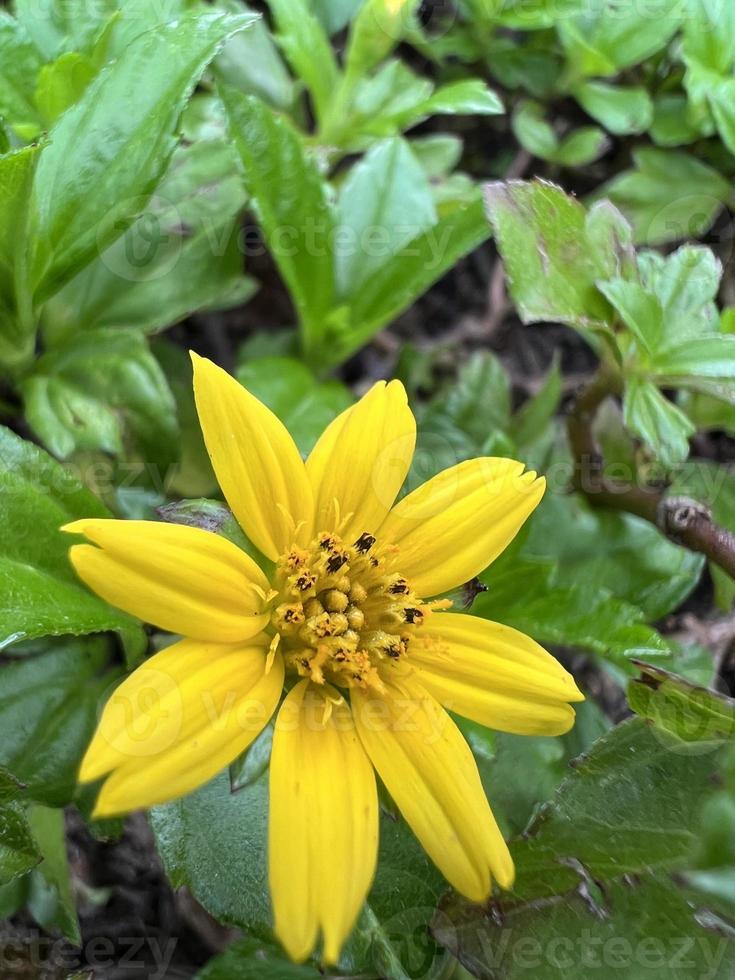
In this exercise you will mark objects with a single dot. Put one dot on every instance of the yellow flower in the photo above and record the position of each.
(343, 624)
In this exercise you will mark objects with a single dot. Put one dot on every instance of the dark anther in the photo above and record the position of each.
(394, 652)
(374, 562)
(335, 563)
(326, 541)
(413, 615)
(364, 543)
(399, 588)
(304, 582)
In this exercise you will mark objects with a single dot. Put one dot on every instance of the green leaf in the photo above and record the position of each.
(102, 163)
(62, 83)
(640, 311)
(101, 391)
(253, 762)
(18, 850)
(61, 26)
(41, 595)
(49, 705)
(17, 324)
(657, 421)
(335, 14)
(667, 196)
(537, 136)
(248, 959)
(589, 579)
(291, 201)
(709, 357)
(533, 420)
(671, 125)
(20, 64)
(549, 262)
(192, 475)
(604, 39)
(376, 30)
(478, 402)
(709, 35)
(385, 203)
(597, 864)
(622, 110)
(305, 405)
(250, 61)
(179, 256)
(51, 900)
(468, 97)
(461, 227)
(214, 842)
(543, 761)
(307, 49)
(686, 284)
(691, 713)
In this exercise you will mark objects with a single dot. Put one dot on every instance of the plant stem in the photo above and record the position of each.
(683, 520)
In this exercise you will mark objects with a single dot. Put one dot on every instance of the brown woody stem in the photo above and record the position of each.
(682, 520)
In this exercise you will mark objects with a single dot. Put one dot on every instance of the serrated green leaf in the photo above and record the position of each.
(102, 165)
(215, 841)
(18, 850)
(663, 427)
(550, 267)
(686, 283)
(596, 864)
(49, 705)
(690, 713)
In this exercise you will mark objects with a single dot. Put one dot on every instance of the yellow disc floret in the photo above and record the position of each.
(343, 613)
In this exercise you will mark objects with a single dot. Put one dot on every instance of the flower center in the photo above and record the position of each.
(342, 612)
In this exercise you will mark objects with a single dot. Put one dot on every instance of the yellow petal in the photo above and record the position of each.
(258, 466)
(429, 771)
(456, 524)
(181, 579)
(359, 464)
(323, 832)
(494, 675)
(178, 720)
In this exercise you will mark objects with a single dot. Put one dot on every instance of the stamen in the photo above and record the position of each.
(345, 617)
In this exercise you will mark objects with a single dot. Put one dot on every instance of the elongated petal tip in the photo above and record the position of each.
(75, 527)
